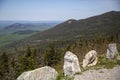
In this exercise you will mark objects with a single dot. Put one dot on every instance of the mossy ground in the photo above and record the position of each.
(62, 77)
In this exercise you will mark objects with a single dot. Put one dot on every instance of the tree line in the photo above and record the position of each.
(12, 65)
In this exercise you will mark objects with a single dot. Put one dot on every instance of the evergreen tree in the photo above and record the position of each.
(29, 60)
(52, 57)
(4, 66)
(29, 51)
(13, 72)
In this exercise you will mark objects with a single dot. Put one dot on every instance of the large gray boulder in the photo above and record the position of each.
(101, 74)
(71, 64)
(91, 59)
(44, 73)
(111, 51)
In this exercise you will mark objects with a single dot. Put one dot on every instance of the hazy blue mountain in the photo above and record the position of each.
(25, 25)
(7, 23)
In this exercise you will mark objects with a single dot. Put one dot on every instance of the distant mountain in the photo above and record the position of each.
(26, 26)
(104, 25)
(21, 32)
(40, 26)
(7, 22)
(17, 26)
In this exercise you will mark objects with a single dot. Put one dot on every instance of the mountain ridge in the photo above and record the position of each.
(86, 23)
(106, 24)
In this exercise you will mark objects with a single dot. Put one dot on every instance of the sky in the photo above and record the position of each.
(38, 10)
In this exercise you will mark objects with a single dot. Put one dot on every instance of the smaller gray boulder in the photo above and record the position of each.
(71, 64)
(44, 73)
(91, 59)
(111, 51)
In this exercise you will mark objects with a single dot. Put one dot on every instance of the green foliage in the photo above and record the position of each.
(9, 38)
(52, 56)
(62, 77)
(4, 66)
(78, 73)
(28, 61)
(14, 69)
(11, 68)
(29, 52)
(68, 48)
(118, 62)
(105, 63)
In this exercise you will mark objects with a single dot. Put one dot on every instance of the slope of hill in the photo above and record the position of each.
(104, 25)
(101, 24)
(17, 31)
(21, 32)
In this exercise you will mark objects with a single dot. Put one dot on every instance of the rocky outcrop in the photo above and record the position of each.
(44, 73)
(111, 51)
(71, 64)
(90, 59)
(101, 74)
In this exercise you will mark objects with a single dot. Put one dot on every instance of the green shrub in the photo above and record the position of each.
(105, 63)
(62, 77)
(118, 62)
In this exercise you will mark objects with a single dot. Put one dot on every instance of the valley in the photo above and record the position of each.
(10, 31)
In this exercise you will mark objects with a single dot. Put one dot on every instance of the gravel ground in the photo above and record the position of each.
(101, 74)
